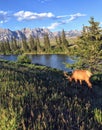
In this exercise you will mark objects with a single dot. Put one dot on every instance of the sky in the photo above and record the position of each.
(52, 14)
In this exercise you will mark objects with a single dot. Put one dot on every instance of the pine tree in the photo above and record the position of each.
(7, 46)
(47, 42)
(92, 32)
(13, 45)
(64, 40)
(60, 40)
(32, 44)
(94, 29)
(56, 39)
(38, 44)
(2, 47)
(59, 46)
(90, 46)
(25, 46)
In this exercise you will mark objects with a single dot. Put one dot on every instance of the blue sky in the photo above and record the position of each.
(52, 14)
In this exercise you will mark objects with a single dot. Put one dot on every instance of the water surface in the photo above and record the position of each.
(53, 60)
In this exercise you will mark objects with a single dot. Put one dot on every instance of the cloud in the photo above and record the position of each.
(3, 17)
(54, 25)
(44, 1)
(61, 16)
(63, 19)
(27, 15)
(72, 17)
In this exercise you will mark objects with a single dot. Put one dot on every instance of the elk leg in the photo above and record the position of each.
(89, 84)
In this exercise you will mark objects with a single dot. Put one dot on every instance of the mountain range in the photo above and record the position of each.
(26, 32)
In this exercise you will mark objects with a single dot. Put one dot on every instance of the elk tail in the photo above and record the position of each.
(89, 73)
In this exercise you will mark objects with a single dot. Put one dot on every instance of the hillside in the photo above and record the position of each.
(40, 98)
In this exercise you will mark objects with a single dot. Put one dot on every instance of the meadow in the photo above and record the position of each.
(34, 97)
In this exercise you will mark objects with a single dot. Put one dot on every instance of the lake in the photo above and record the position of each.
(51, 60)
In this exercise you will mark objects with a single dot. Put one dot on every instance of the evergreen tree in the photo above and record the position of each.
(92, 32)
(25, 46)
(7, 46)
(95, 30)
(59, 46)
(60, 40)
(90, 46)
(56, 39)
(32, 43)
(60, 43)
(47, 42)
(2, 47)
(38, 44)
(14, 47)
(64, 40)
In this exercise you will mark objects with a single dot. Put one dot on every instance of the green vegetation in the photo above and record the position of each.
(40, 98)
(34, 97)
(98, 115)
(23, 59)
(8, 119)
(36, 45)
(88, 51)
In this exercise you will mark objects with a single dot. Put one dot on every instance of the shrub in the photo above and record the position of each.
(98, 115)
(23, 59)
(8, 119)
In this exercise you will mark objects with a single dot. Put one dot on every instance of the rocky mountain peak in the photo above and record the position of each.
(26, 32)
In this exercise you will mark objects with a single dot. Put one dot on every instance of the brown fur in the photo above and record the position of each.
(81, 75)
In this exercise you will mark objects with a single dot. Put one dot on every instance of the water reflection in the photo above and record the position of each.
(9, 57)
(54, 60)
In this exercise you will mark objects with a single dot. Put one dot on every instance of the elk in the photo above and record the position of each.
(81, 75)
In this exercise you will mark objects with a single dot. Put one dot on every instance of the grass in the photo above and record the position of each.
(39, 97)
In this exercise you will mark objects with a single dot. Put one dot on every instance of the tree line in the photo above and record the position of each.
(35, 45)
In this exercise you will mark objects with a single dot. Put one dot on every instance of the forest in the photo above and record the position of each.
(35, 45)
(37, 97)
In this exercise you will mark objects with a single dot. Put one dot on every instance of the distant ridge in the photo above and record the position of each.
(26, 32)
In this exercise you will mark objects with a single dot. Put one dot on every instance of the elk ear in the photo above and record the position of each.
(66, 75)
(69, 78)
